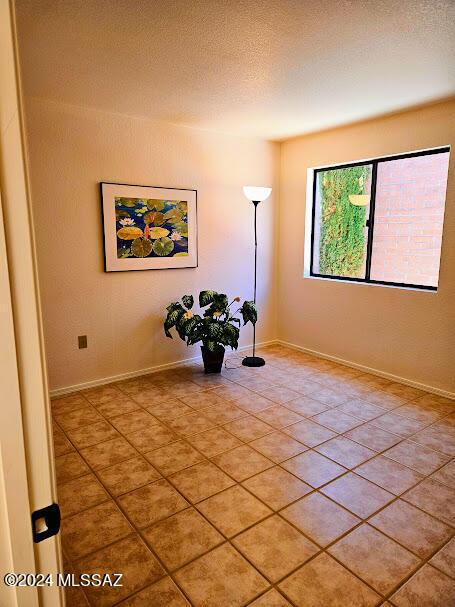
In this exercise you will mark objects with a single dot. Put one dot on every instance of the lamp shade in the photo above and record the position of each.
(256, 193)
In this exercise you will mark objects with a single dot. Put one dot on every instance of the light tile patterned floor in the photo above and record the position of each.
(301, 483)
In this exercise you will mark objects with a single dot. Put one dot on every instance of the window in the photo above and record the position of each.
(380, 221)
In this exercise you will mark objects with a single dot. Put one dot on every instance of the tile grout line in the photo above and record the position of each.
(299, 529)
(191, 505)
(273, 429)
(351, 528)
(277, 512)
(137, 530)
(275, 464)
(362, 520)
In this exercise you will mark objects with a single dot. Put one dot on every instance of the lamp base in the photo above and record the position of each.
(253, 361)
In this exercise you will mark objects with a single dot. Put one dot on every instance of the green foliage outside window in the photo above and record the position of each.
(342, 238)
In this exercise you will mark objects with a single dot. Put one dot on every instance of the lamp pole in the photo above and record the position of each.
(254, 361)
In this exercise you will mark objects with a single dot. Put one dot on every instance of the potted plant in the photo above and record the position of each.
(216, 328)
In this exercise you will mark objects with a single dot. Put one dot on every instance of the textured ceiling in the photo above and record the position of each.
(271, 68)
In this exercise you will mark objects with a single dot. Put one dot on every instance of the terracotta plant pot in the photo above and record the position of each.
(213, 361)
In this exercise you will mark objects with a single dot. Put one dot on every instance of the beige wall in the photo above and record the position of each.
(403, 332)
(71, 150)
(407, 333)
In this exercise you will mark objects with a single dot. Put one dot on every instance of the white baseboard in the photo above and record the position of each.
(179, 363)
(348, 363)
(122, 376)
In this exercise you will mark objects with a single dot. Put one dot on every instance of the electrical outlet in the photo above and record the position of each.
(82, 341)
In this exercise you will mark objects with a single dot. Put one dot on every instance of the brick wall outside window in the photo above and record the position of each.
(409, 214)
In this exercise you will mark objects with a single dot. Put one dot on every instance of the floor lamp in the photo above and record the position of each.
(255, 195)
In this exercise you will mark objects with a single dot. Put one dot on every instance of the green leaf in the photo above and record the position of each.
(173, 316)
(129, 233)
(221, 301)
(155, 204)
(126, 202)
(206, 298)
(181, 332)
(210, 311)
(141, 247)
(175, 305)
(220, 304)
(180, 326)
(155, 233)
(154, 217)
(120, 213)
(249, 312)
(194, 329)
(182, 206)
(189, 325)
(231, 336)
(123, 253)
(173, 216)
(181, 227)
(215, 330)
(188, 301)
(163, 246)
(195, 336)
(175, 311)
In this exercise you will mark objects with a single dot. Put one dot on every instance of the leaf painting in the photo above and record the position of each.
(141, 247)
(158, 233)
(163, 246)
(129, 233)
(148, 227)
(154, 217)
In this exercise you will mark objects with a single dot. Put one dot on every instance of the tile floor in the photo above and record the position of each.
(301, 483)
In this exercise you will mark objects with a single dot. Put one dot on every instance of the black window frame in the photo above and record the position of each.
(370, 220)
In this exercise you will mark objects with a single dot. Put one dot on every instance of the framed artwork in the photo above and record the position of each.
(148, 228)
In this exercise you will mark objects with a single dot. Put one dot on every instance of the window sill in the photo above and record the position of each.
(425, 289)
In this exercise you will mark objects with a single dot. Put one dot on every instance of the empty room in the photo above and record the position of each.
(228, 323)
